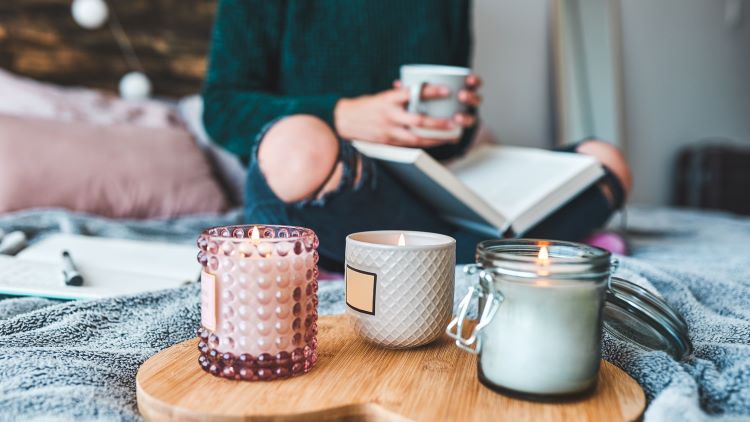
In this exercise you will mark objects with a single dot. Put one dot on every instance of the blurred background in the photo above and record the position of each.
(680, 77)
(666, 80)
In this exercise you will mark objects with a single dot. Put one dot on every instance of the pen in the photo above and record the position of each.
(71, 276)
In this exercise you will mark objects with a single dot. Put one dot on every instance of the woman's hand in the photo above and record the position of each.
(382, 118)
(469, 96)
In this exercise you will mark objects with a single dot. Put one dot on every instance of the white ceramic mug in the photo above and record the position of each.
(416, 76)
(400, 295)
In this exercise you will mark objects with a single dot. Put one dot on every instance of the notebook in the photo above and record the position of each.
(499, 191)
(110, 267)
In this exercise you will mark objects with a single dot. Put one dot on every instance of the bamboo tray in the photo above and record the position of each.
(355, 380)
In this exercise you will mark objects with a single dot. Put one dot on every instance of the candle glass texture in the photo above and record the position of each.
(258, 301)
(541, 316)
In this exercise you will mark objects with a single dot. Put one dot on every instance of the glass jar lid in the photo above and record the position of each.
(519, 258)
(637, 316)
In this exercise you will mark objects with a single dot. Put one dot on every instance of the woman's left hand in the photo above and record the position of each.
(469, 96)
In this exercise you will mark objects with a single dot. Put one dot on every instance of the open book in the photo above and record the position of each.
(499, 191)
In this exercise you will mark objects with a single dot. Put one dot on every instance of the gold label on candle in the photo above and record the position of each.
(360, 290)
(208, 300)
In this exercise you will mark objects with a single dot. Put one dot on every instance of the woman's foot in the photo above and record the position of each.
(608, 240)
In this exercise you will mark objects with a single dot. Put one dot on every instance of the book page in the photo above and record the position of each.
(434, 183)
(513, 179)
(492, 188)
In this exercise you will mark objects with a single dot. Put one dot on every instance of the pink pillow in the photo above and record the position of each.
(119, 171)
(29, 98)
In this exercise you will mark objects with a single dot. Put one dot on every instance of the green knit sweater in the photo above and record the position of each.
(272, 58)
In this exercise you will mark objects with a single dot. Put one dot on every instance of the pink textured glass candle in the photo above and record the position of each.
(259, 298)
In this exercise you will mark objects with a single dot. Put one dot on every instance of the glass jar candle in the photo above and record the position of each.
(540, 307)
(258, 301)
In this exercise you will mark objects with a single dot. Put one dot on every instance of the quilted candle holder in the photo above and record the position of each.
(258, 301)
(399, 286)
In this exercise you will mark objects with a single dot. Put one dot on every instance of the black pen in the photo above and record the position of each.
(71, 276)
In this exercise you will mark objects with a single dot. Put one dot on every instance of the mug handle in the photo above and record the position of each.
(485, 288)
(415, 95)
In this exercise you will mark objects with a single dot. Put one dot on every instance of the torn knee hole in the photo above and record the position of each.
(607, 191)
(358, 170)
(332, 182)
(338, 179)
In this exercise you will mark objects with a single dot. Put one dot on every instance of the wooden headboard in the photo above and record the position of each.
(39, 39)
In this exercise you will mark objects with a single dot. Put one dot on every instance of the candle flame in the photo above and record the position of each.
(401, 240)
(543, 257)
(542, 260)
(255, 235)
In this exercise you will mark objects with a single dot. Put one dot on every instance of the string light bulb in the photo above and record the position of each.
(90, 14)
(135, 86)
(93, 14)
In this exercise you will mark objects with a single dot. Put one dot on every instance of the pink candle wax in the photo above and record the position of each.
(258, 301)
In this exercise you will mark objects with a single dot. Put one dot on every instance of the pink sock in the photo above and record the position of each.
(611, 241)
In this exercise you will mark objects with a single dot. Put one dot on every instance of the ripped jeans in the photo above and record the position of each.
(378, 201)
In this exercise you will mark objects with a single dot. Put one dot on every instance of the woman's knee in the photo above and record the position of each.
(297, 156)
(611, 157)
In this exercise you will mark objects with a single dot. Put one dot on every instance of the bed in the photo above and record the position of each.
(78, 360)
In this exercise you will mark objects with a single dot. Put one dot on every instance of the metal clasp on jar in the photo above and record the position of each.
(483, 289)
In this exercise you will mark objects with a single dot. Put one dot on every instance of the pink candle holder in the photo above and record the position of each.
(259, 298)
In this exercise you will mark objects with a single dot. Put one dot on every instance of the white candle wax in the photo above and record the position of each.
(544, 338)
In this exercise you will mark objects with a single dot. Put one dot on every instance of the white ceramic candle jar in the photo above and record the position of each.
(540, 306)
(399, 286)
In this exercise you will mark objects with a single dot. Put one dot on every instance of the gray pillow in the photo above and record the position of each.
(228, 167)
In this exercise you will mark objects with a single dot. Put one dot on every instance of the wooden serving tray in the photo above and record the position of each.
(355, 380)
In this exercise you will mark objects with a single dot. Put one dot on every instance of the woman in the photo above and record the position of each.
(291, 82)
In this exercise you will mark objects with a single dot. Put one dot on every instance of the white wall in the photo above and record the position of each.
(586, 72)
(686, 77)
(511, 53)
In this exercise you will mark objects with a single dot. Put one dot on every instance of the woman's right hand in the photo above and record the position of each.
(382, 118)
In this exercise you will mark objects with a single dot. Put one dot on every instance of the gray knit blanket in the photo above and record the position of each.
(78, 360)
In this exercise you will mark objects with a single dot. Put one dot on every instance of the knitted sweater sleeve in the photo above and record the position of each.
(239, 91)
